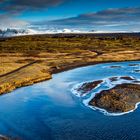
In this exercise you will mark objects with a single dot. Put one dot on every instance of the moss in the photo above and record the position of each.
(121, 98)
(69, 44)
(25, 60)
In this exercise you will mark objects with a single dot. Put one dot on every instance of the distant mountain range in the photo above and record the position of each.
(9, 32)
(16, 32)
(19, 32)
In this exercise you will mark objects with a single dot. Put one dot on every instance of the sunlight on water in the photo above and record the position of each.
(50, 111)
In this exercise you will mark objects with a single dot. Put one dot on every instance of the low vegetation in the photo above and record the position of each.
(28, 59)
(121, 98)
(69, 43)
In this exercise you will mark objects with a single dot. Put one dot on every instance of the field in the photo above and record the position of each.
(26, 60)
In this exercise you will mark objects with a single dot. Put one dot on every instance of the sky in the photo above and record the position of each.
(98, 15)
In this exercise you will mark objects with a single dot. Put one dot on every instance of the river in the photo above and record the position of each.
(50, 110)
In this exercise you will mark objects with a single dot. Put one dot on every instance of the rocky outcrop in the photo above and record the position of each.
(87, 87)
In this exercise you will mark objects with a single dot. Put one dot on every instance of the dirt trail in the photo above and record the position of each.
(41, 69)
(25, 66)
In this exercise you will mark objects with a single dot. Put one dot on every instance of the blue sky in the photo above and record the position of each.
(91, 14)
(72, 8)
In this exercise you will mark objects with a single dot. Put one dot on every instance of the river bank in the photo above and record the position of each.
(41, 100)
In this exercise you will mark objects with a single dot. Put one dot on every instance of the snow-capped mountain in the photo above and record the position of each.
(19, 32)
(31, 31)
(16, 32)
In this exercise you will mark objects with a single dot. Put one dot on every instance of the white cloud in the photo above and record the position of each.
(8, 22)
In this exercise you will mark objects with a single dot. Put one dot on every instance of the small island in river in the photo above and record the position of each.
(26, 60)
(87, 87)
(121, 98)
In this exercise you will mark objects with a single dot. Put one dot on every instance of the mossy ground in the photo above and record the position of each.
(28, 59)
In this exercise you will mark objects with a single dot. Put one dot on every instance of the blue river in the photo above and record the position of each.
(51, 111)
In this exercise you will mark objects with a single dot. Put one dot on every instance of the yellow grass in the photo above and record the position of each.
(30, 59)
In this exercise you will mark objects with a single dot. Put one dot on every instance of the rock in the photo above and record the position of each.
(87, 87)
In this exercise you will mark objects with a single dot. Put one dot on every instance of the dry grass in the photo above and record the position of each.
(30, 59)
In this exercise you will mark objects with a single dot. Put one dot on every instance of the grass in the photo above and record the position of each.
(54, 53)
(68, 44)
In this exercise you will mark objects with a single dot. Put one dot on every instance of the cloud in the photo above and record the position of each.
(110, 18)
(10, 9)
(104, 17)
(11, 22)
(21, 5)
(36, 3)
(119, 18)
(2, 1)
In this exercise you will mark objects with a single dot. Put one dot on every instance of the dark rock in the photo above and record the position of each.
(87, 87)
(126, 78)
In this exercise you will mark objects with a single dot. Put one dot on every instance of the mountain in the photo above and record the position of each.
(16, 32)
(19, 32)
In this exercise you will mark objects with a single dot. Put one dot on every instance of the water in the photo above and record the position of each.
(50, 111)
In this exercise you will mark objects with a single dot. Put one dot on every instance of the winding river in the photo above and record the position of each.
(53, 110)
